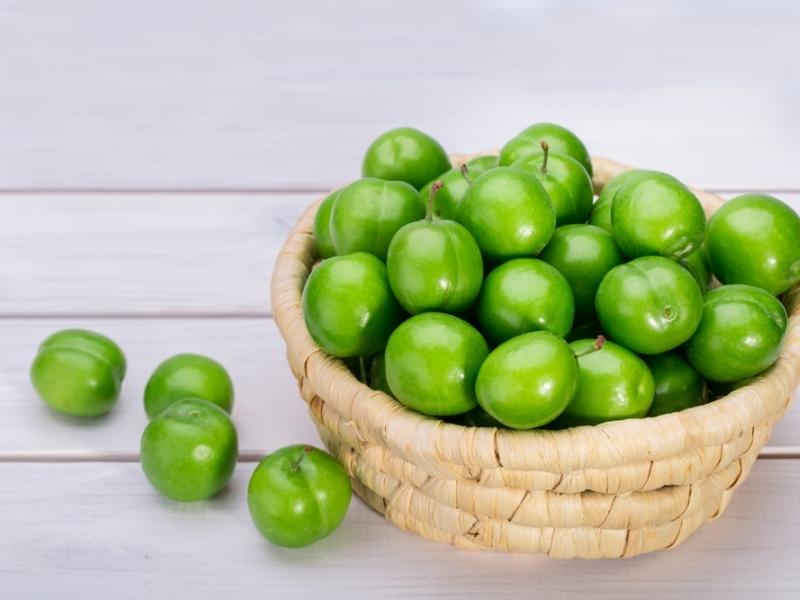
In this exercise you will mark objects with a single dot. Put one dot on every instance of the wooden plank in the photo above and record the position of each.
(94, 530)
(143, 254)
(246, 94)
(268, 411)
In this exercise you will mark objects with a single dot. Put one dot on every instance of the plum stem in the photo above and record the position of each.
(465, 173)
(362, 365)
(546, 149)
(437, 185)
(297, 461)
(597, 345)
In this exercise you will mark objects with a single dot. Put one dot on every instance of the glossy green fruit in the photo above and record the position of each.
(523, 295)
(187, 376)
(528, 381)
(322, 227)
(719, 389)
(559, 139)
(478, 417)
(348, 305)
(377, 374)
(567, 183)
(613, 384)
(601, 212)
(298, 495)
(435, 265)
(454, 186)
(78, 372)
(188, 452)
(405, 154)
(656, 215)
(697, 264)
(755, 240)
(649, 305)
(481, 163)
(509, 213)
(587, 329)
(583, 254)
(678, 385)
(432, 360)
(367, 213)
(740, 335)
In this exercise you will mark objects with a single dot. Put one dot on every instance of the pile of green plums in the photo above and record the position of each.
(502, 293)
(297, 495)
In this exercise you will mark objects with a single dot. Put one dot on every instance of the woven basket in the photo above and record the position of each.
(613, 490)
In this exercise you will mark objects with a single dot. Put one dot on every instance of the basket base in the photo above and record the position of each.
(403, 504)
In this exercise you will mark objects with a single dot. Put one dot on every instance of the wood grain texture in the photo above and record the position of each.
(283, 94)
(268, 410)
(95, 530)
(146, 254)
(142, 254)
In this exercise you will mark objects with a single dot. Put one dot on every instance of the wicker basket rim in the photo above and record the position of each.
(601, 446)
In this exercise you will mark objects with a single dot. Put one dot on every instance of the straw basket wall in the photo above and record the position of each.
(613, 490)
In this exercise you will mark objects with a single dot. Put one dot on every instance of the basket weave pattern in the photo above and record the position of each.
(613, 490)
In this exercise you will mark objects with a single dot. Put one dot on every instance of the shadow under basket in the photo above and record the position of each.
(608, 491)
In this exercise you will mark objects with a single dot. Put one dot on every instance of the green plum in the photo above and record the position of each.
(188, 452)
(528, 381)
(481, 163)
(454, 185)
(656, 215)
(719, 389)
(587, 329)
(432, 360)
(366, 214)
(187, 376)
(78, 372)
(649, 305)
(405, 154)
(523, 295)
(567, 183)
(755, 239)
(508, 212)
(613, 384)
(697, 264)
(322, 227)
(601, 212)
(583, 254)
(559, 139)
(298, 495)
(377, 374)
(478, 417)
(678, 385)
(348, 305)
(740, 334)
(434, 265)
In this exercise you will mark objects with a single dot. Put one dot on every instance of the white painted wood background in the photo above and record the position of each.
(154, 154)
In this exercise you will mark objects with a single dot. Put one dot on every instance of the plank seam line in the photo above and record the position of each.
(245, 456)
(267, 315)
(245, 191)
(98, 456)
(316, 189)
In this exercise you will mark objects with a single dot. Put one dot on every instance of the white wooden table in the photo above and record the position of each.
(154, 154)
